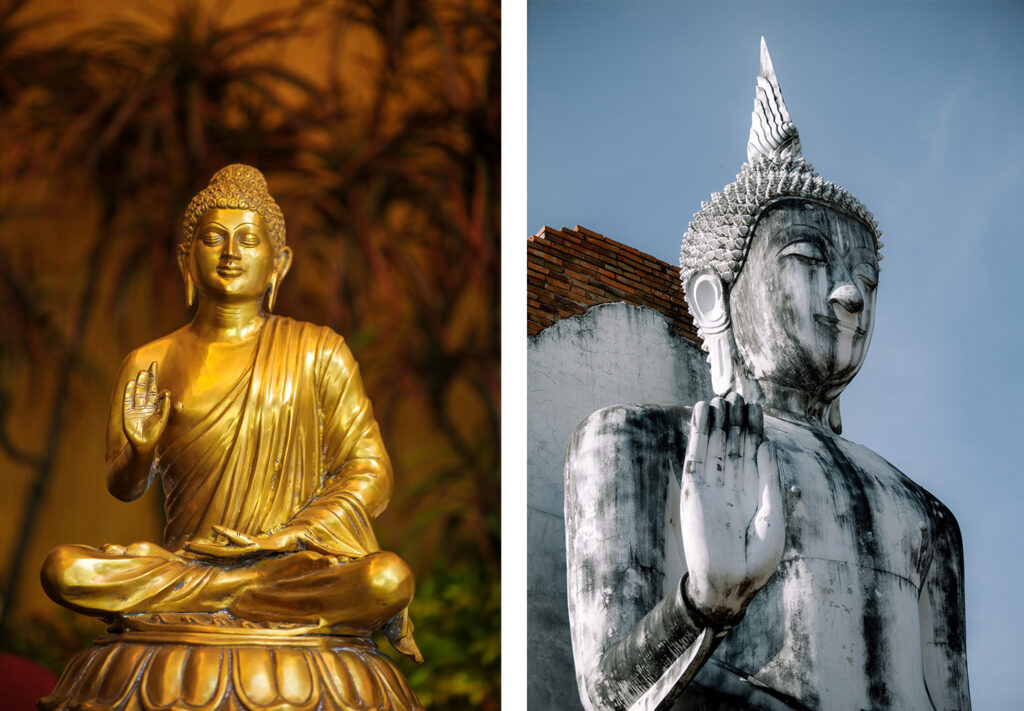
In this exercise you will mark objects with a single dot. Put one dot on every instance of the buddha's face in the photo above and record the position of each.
(232, 258)
(803, 306)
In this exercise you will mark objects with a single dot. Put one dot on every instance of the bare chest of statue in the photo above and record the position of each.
(199, 374)
(842, 609)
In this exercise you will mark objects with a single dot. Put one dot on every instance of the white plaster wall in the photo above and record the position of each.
(612, 354)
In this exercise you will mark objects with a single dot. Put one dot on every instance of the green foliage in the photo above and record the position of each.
(457, 613)
(51, 641)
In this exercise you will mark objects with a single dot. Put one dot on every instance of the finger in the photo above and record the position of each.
(755, 420)
(768, 519)
(198, 546)
(697, 444)
(734, 439)
(747, 481)
(141, 382)
(715, 460)
(236, 537)
(216, 550)
(165, 407)
(272, 543)
(129, 396)
(151, 394)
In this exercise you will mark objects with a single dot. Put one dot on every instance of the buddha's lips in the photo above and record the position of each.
(841, 326)
(229, 272)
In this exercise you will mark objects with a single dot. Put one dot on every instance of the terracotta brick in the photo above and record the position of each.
(561, 248)
(570, 270)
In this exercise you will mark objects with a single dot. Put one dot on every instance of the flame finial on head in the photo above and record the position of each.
(719, 236)
(771, 129)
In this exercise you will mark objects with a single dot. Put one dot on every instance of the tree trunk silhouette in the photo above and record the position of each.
(45, 462)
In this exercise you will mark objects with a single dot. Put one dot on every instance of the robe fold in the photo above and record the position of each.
(294, 443)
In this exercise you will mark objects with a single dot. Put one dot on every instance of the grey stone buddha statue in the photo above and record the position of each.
(740, 554)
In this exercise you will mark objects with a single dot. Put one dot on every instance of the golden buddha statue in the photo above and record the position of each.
(270, 581)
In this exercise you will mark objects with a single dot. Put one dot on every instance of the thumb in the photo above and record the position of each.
(165, 406)
(768, 519)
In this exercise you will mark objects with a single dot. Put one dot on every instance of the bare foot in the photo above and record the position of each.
(399, 632)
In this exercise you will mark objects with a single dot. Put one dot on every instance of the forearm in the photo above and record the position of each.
(943, 628)
(637, 662)
(129, 472)
(353, 451)
(338, 520)
(368, 479)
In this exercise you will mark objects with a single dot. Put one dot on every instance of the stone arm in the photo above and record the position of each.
(636, 641)
(943, 628)
(651, 666)
(358, 479)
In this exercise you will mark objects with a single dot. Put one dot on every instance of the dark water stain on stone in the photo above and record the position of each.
(868, 554)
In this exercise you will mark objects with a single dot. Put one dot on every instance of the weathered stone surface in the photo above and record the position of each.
(612, 353)
(836, 627)
(739, 554)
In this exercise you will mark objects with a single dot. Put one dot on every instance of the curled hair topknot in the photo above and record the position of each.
(239, 187)
(718, 238)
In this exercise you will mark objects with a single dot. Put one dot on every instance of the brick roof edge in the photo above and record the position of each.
(571, 269)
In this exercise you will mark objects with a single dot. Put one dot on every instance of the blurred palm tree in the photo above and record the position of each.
(402, 179)
(150, 115)
(407, 210)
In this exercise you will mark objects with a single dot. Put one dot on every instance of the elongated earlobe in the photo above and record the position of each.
(706, 298)
(272, 292)
(283, 262)
(190, 291)
(190, 287)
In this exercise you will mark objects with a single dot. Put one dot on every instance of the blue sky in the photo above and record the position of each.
(637, 111)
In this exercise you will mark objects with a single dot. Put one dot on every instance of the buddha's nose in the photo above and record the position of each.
(848, 297)
(230, 249)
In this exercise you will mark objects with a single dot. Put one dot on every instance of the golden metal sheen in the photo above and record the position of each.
(269, 581)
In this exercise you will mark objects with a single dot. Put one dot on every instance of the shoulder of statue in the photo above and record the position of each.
(332, 361)
(627, 416)
(324, 335)
(942, 519)
(945, 523)
(156, 350)
(872, 460)
(621, 428)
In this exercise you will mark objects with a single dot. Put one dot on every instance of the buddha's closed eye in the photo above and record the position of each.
(805, 252)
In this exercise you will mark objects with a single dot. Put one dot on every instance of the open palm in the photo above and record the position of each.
(730, 508)
(145, 411)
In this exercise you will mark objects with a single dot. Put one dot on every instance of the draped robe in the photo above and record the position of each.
(294, 442)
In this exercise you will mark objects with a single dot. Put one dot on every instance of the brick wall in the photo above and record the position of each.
(570, 270)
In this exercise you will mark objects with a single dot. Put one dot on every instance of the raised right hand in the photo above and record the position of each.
(730, 507)
(145, 412)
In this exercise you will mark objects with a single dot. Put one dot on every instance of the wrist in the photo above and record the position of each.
(719, 618)
(286, 538)
(141, 449)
